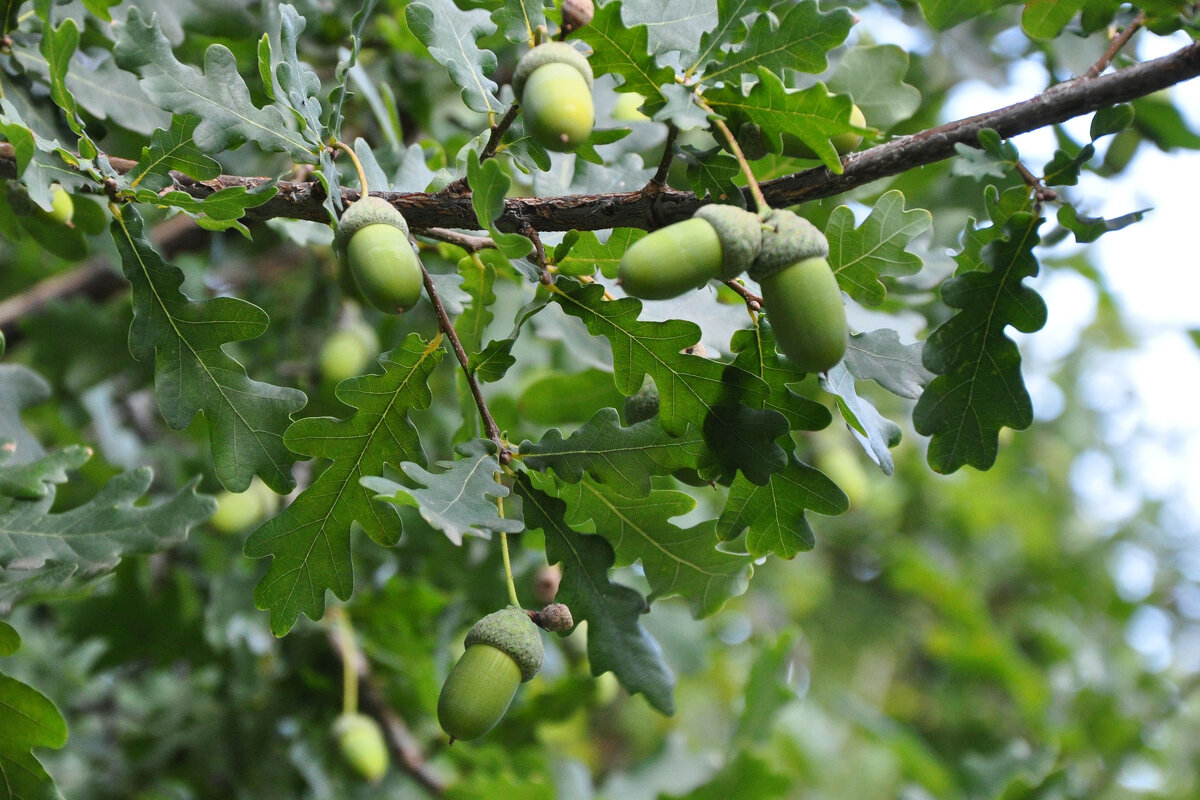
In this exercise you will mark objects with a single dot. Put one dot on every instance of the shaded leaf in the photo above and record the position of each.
(622, 459)
(675, 560)
(1089, 229)
(756, 354)
(36, 479)
(518, 19)
(689, 387)
(879, 356)
(19, 387)
(873, 75)
(798, 40)
(28, 719)
(310, 541)
(193, 374)
(458, 501)
(616, 640)
(875, 432)
(979, 388)
(589, 254)
(774, 513)
(624, 50)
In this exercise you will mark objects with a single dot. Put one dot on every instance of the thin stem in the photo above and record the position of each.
(447, 326)
(664, 165)
(468, 242)
(350, 658)
(753, 301)
(760, 202)
(1115, 47)
(508, 573)
(358, 167)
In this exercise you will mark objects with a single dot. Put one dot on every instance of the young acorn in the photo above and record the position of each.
(372, 242)
(504, 649)
(553, 84)
(719, 241)
(800, 292)
(361, 742)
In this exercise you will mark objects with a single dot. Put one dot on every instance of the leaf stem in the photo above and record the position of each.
(760, 201)
(358, 167)
(350, 656)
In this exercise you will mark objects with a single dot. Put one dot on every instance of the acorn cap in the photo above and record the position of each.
(511, 631)
(369, 210)
(787, 238)
(740, 233)
(549, 53)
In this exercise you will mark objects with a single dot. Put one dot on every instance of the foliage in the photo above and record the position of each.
(768, 604)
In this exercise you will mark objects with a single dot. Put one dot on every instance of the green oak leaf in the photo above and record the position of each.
(625, 51)
(460, 500)
(493, 362)
(94, 537)
(733, 20)
(744, 438)
(676, 561)
(589, 254)
(301, 87)
(879, 356)
(35, 479)
(979, 388)
(711, 173)
(616, 640)
(345, 66)
(689, 387)
(874, 76)
(812, 115)
(672, 26)
(755, 352)
(452, 35)
(218, 95)
(479, 276)
(623, 459)
(489, 186)
(28, 719)
(222, 209)
(774, 513)
(875, 432)
(859, 256)
(519, 19)
(767, 688)
(799, 40)
(1089, 229)
(310, 540)
(20, 387)
(944, 14)
(1045, 19)
(172, 149)
(58, 45)
(194, 374)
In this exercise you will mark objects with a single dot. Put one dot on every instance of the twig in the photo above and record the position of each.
(1115, 47)
(447, 326)
(539, 251)
(460, 186)
(659, 180)
(753, 301)
(1041, 192)
(401, 742)
(468, 242)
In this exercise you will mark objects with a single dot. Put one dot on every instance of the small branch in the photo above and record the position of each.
(460, 186)
(1115, 47)
(401, 742)
(753, 301)
(539, 251)
(1041, 192)
(659, 180)
(472, 244)
(447, 326)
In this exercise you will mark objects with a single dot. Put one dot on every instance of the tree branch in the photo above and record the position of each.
(1083, 95)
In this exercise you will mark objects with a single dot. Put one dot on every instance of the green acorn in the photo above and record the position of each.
(642, 404)
(553, 84)
(719, 241)
(504, 649)
(372, 242)
(361, 742)
(800, 292)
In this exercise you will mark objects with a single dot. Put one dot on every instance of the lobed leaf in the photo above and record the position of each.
(452, 35)
(461, 500)
(622, 459)
(678, 561)
(979, 388)
(875, 432)
(859, 256)
(798, 40)
(28, 719)
(624, 50)
(310, 541)
(172, 149)
(193, 374)
(616, 640)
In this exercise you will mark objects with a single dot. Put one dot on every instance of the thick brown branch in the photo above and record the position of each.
(639, 209)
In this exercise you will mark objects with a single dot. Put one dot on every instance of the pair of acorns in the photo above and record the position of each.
(781, 250)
